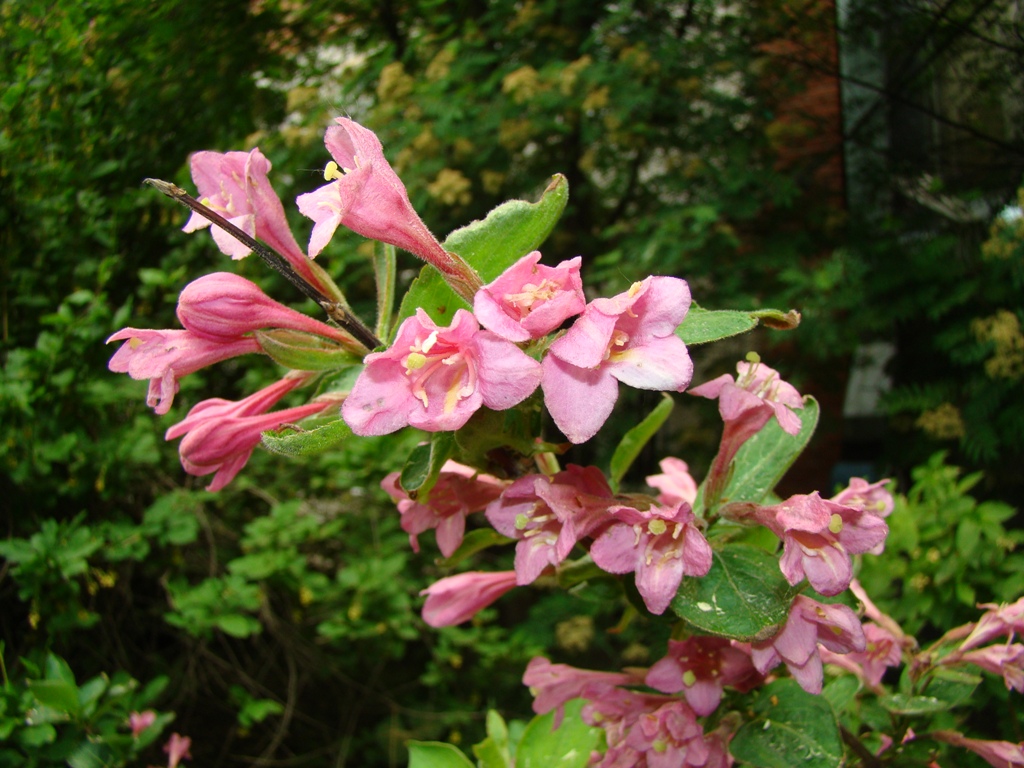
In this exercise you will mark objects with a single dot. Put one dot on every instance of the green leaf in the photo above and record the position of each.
(790, 727)
(568, 746)
(91, 754)
(903, 704)
(705, 325)
(37, 735)
(636, 438)
(58, 669)
(424, 464)
(765, 458)
(237, 625)
(302, 351)
(308, 442)
(57, 695)
(494, 752)
(435, 754)
(475, 541)
(490, 246)
(744, 596)
(953, 686)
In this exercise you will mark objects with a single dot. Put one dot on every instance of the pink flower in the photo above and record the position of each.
(870, 497)
(1005, 660)
(549, 516)
(660, 545)
(163, 357)
(675, 483)
(835, 627)
(746, 405)
(881, 651)
(529, 299)
(177, 749)
(700, 667)
(235, 185)
(552, 685)
(435, 378)
(224, 306)
(671, 737)
(459, 598)
(629, 338)
(459, 491)
(220, 435)
(1001, 754)
(998, 621)
(140, 721)
(366, 195)
(818, 537)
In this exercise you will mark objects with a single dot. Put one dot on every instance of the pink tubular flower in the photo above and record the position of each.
(818, 537)
(675, 483)
(223, 306)
(998, 621)
(746, 405)
(220, 435)
(660, 545)
(552, 685)
(629, 338)
(549, 516)
(1004, 660)
(881, 651)
(456, 599)
(366, 195)
(177, 749)
(459, 491)
(700, 667)
(163, 357)
(140, 721)
(235, 185)
(671, 737)
(870, 497)
(835, 627)
(1001, 754)
(529, 299)
(435, 378)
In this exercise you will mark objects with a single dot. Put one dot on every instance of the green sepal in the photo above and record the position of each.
(436, 754)
(636, 438)
(303, 351)
(308, 442)
(568, 746)
(743, 597)
(421, 469)
(705, 325)
(790, 727)
(490, 246)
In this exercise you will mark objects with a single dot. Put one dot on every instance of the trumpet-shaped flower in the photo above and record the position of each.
(818, 537)
(998, 621)
(660, 545)
(366, 195)
(529, 299)
(1006, 660)
(223, 305)
(549, 515)
(552, 685)
(235, 185)
(746, 404)
(881, 651)
(1001, 754)
(456, 599)
(809, 624)
(165, 356)
(701, 667)
(675, 482)
(871, 497)
(459, 491)
(629, 338)
(220, 435)
(435, 378)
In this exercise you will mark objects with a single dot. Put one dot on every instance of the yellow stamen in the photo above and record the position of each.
(657, 526)
(835, 524)
(332, 171)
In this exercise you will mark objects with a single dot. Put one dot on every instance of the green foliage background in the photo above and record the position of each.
(283, 610)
